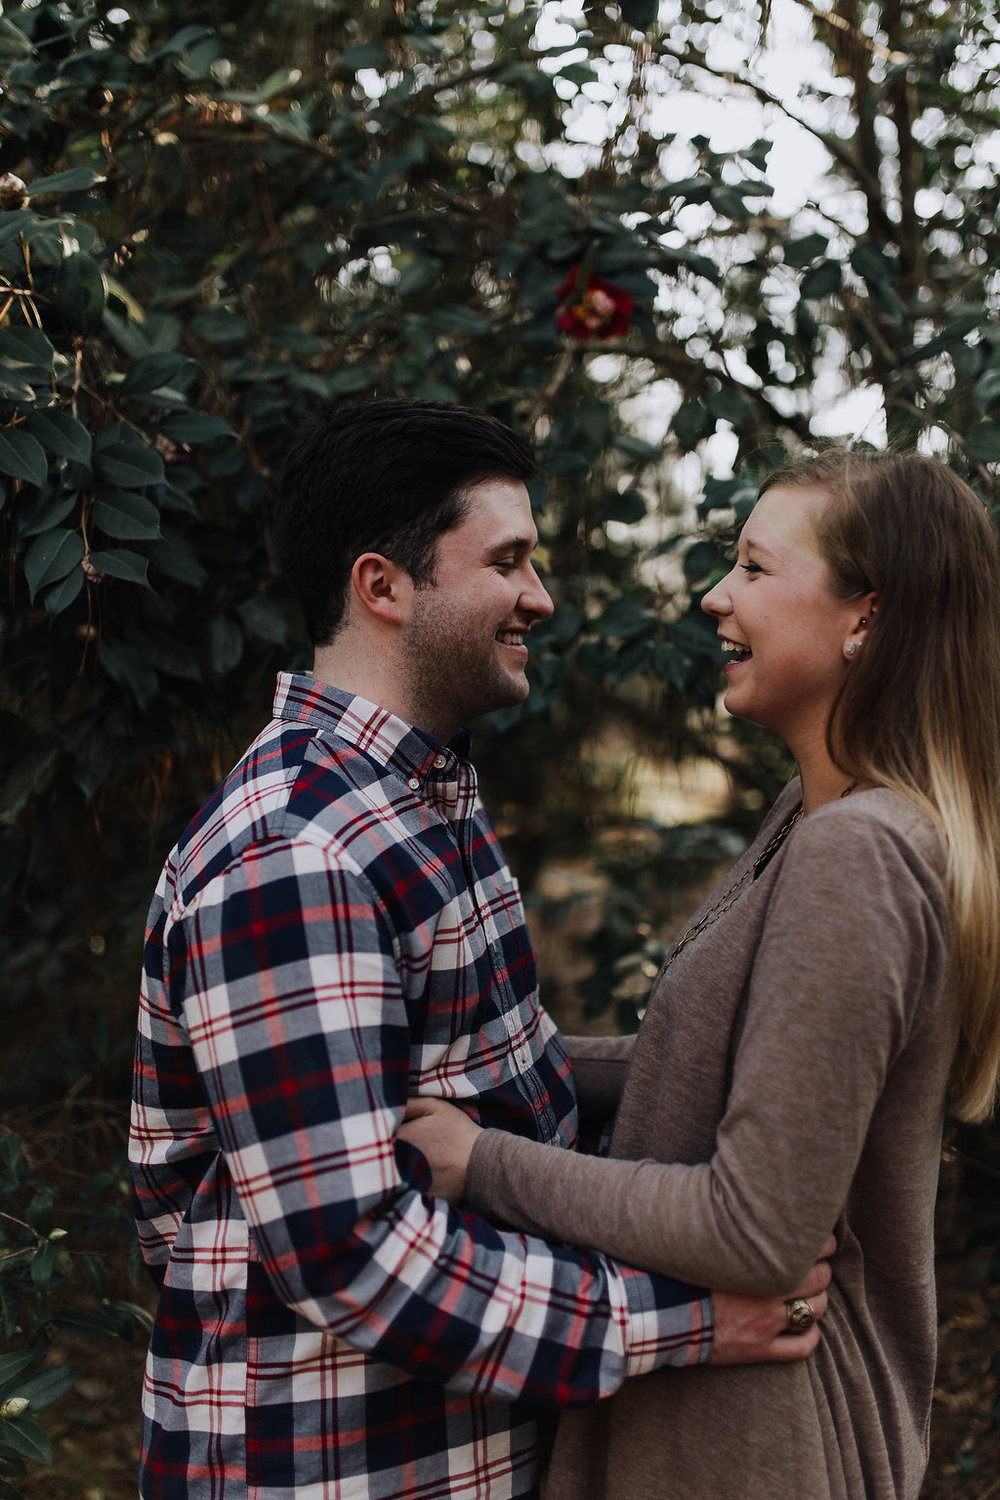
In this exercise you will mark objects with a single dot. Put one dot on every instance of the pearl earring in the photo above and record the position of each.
(850, 647)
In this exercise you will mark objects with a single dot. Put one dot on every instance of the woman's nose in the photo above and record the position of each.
(716, 601)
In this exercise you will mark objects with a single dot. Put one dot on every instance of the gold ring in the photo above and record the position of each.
(799, 1316)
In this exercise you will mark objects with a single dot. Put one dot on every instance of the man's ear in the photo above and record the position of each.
(382, 587)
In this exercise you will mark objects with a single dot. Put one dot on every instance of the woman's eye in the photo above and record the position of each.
(750, 567)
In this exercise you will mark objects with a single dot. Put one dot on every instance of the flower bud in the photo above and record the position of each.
(13, 192)
(14, 1406)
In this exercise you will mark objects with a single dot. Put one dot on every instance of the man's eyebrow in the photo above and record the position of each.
(514, 544)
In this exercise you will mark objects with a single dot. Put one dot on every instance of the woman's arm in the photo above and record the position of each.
(838, 974)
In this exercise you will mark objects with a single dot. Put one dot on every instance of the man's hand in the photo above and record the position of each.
(751, 1329)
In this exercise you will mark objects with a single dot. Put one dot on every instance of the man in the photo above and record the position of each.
(335, 932)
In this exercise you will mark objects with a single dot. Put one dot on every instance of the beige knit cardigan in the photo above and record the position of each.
(788, 1079)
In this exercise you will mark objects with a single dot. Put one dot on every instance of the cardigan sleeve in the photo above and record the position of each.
(833, 992)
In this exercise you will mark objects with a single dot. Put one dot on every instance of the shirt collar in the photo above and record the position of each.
(415, 756)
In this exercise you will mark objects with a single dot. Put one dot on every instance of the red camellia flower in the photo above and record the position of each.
(600, 311)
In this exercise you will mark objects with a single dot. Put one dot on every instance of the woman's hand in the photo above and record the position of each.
(446, 1136)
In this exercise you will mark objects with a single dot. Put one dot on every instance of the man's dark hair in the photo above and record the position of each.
(383, 476)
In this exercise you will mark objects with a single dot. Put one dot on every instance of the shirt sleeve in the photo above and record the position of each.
(285, 980)
(833, 991)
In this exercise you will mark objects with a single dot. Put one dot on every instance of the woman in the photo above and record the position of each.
(791, 1069)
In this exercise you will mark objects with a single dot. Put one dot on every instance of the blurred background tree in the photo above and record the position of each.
(212, 228)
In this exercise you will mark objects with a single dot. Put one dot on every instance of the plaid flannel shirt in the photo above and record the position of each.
(337, 930)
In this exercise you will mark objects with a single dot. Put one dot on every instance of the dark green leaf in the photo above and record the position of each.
(179, 42)
(77, 180)
(225, 644)
(27, 346)
(350, 378)
(127, 517)
(578, 73)
(636, 447)
(42, 1266)
(30, 776)
(13, 42)
(263, 619)
(822, 280)
(640, 14)
(871, 262)
(699, 561)
(17, 1366)
(119, 563)
(802, 251)
(82, 292)
(128, 464)
(51, 557)
(14, 386)
(59, 432)
(10, 1304)
(153, 371)
(174, 558)
(194, 427)
(129, 669)
(22, 456)
(40, 1210)
(365, 55)
(289, 338)
(982, 444)
(45, 513)
(45, 1388)
(731, 405)
(628, 507)
(62, 595)
(198, 57)
(417, 275)
(986, 392)
(26, 1437)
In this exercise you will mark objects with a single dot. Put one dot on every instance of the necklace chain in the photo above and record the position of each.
(727, 899)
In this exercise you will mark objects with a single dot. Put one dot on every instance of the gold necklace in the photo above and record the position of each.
(728, 898)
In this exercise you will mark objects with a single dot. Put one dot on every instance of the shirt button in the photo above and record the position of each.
(414, 784)
(440, 761)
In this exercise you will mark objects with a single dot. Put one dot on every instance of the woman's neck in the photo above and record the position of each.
(822, 781)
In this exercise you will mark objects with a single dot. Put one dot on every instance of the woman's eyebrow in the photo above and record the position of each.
(750, 541)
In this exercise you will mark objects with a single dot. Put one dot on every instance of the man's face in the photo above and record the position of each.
(465, 652)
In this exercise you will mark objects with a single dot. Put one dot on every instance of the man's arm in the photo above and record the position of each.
(283, 979)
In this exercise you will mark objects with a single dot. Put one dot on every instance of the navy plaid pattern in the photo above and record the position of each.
(336, 931)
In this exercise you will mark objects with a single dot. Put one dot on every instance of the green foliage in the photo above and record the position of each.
(40, 1278)
(211, 230)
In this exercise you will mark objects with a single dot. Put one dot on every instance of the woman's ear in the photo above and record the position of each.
(867, 608)
(382, 588)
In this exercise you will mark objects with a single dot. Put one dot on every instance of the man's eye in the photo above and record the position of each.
(506, 566)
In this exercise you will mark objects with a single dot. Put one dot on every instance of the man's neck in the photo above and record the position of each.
(352, 667)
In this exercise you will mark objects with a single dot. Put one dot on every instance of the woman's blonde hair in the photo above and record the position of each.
(919, 710)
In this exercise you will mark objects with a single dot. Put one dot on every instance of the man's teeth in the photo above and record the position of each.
(510, 637)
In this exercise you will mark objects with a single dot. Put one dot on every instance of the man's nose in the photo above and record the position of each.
(536, 598)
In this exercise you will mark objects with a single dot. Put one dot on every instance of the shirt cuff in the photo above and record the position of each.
(670, 1323)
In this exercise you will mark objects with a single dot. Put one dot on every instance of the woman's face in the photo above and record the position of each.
(780, 618)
